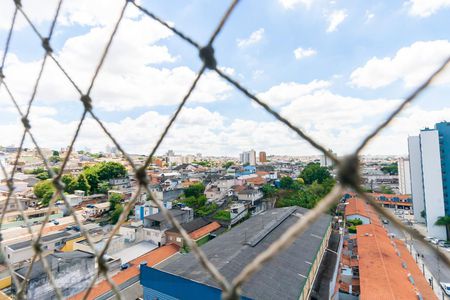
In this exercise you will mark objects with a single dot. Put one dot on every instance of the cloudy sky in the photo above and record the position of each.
(334, 68)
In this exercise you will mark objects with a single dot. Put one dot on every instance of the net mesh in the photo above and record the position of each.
(348, 167)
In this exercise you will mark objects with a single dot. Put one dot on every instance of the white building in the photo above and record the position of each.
(415, 168)
(404, 176)
(248, 157)
(425, 150)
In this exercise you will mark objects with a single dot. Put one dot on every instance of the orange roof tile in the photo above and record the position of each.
(152, 258)
(381, 273)
(201, 232)
(356, 206)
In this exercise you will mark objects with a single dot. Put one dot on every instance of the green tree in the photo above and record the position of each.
(44, 191)
(314, 172)
(54, 159)
(118, 209)
(286, 182)
(69, 183)
(224, 215)
(43, 176)
(55, 153)
(194, 190)
(92, 178)
(115, 199)
(82, 183)
(227, 164)
(103, 187)
(269, 190)
(444, 221)
(109, 170)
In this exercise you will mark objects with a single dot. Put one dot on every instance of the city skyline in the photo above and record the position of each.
(349, 67)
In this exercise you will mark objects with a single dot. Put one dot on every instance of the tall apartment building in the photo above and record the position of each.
(429, 156)
(404, 176)
(262, 156)
(248, 157)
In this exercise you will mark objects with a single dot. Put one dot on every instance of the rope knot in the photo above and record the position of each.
(46, 45)
(87, 102)
(18, 3)
(207, 56)
(26, 122)
(37, 247)
(141, 176)
(1, 73)
(348, 172)
(102, 266)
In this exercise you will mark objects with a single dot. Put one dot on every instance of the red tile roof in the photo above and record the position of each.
(201, 232)
(381, 273)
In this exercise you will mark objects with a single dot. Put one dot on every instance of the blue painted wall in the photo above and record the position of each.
(161, 285)
(444, 142)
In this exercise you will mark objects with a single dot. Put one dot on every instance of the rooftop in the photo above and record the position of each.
(382, 275)
(231, 251)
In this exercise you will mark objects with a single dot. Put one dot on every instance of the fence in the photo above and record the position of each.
(348, 167)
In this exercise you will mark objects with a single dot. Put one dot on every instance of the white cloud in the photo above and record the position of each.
(81, 12)
(335, 19)
(288, 91)
(254, 38)
(290, 4)
(300, 53)
(412, 65)
(369, 16)
(130, 77)
(425, 8)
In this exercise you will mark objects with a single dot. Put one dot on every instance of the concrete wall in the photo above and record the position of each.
(432, 182)
(415, 167)
(306, 289)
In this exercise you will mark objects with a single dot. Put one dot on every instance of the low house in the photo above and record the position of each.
(120, 183)
(237, 212)
(96, 210)
(72, 272)
(198, 229)
(253, 199)
(18, 253)
(156, 225)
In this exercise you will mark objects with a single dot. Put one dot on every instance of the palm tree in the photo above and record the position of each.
(444, 221)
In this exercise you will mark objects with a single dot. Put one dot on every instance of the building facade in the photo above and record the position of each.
(262, 156)
(429, 164)
(248, 157)
(404, 176)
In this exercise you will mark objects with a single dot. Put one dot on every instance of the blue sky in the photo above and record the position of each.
(335, 68)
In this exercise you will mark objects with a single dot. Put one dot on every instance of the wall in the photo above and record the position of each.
(306, 289)
(432, 182)
(415, 168)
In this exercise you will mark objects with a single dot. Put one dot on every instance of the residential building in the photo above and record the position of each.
(253, 199)
(404, 176)
(289, 275)
(20, 252)
(156, 225)
(120, 183)
(248, 157)
(237, 212)
(72, 271)
(431, 150)
(262, 157)
(198, 229)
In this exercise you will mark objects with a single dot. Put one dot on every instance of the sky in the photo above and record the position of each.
(336, 69)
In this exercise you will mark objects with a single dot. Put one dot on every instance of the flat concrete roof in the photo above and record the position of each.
(281, 278)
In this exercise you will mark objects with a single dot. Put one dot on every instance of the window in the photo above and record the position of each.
(178, 239)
